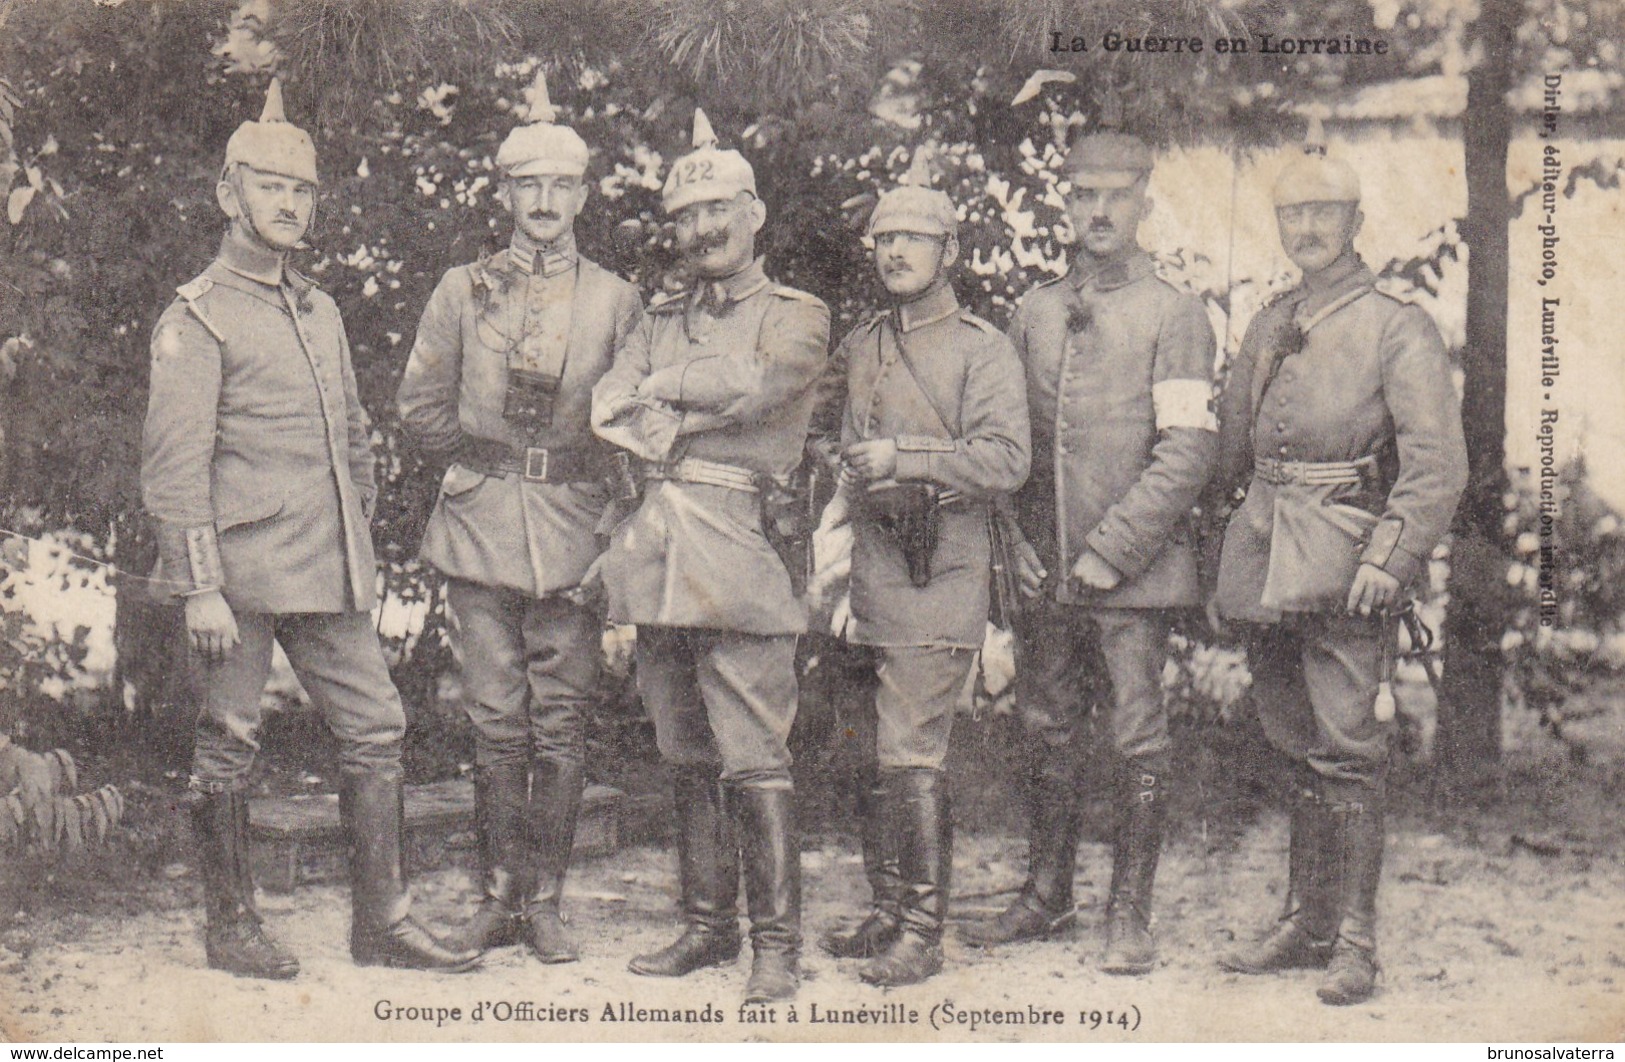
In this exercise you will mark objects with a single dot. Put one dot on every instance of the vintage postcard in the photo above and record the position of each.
(1007, 521)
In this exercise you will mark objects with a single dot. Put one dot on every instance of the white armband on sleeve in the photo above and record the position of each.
(1184, 404)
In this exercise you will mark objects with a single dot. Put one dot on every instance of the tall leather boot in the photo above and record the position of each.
(382, 931)
(1302, 937)
(499, 817)
(923, 827)
(1142, 811)
(555, 803)
(880, 927)
(1044, 907)
(708, 875)
(234, 940)
(1351, 976)
(772, 848)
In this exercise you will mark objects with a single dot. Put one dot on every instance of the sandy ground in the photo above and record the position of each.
(1483, 937)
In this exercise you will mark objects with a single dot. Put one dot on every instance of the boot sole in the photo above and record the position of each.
(648, 971)
(1337, 999)
(1251, 970)
(394, 963)
(1057, 930)
(1312, 961)
(1127, 969)
(279, 974)
(898, 982)
(754, 999)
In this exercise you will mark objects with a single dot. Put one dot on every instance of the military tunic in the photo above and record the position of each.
(977, 445)
(724, 375)
(507, 540)
(554, 312)
(255, 439)
(946, 385)
(1119, 381)
(714, 389)
(1361, 384)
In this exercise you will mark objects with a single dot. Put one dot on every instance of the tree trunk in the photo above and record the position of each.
(1469, 731)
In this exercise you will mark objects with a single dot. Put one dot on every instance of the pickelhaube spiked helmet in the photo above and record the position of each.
(272, 144)
(915, 206)
(1312, 177)
(706, 173)
(539, 146)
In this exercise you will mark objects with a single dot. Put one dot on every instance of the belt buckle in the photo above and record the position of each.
(536, 461)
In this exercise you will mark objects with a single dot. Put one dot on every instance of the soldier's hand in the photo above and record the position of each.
(1095, 571)
(1215, 619)
(211, 626)
(620, 407)
(1373, 589)
(591, 586)
(1030, 571)
(872, 459)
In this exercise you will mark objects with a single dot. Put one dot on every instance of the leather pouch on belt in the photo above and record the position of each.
(1315, 549)
(909, 512)
(788, 522)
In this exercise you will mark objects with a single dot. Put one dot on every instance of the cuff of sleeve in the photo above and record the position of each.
(1118, 551)
(913, 465)
(659, 426)
(665, 385)
(1384, 539)
(1385, 551)
(924, 444)
(191, 559)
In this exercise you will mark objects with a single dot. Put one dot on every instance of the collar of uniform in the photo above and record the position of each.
(1116, 273)
(1344, 276)
(547, 261)
(737, 287)
(929, 308)
(251, 261)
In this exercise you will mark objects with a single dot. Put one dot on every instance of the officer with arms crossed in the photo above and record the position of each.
(935, 425)
(500, 382)
(1119, 379)
(715, 391)
(258, 469)
(1341, 422)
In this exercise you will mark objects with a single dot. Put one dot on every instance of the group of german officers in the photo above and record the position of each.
(1077, 447)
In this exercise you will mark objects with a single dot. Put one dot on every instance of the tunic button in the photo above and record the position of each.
(1280, 425)
(1287, 375)
(1283, 451)
(1281, 401)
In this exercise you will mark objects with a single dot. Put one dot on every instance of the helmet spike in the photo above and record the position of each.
(919, 168)
(273, 111)
(704, 135)
(541, 106)
(1314, 140)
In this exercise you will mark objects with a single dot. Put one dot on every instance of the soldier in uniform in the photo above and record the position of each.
(1341, 421)
(715, 392)
(500, 383)
(935, 425)
(258, 470)
(1119, 380)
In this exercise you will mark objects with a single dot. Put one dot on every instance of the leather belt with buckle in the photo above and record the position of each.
(534, 464)
(1312, 473)
(711, 473)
